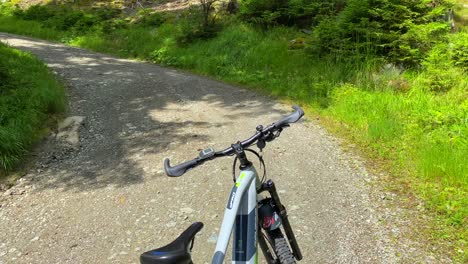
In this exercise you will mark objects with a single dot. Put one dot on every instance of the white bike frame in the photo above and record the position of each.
(241, 214)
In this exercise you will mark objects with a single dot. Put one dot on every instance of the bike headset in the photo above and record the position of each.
(261, 137)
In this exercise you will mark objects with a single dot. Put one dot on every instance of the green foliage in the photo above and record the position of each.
(64, 18)
(29, 28)
(303, 13)
(198, 22)
(7, 9)
(151, 19)
(28, 95)
(35, 12)
(459, 49)
(411, 47)
(401, 31)
(441, 75)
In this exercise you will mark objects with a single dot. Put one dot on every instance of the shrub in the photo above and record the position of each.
(439, 65)
(288, 12)
(459, 49)
(35, 12)
(106, 13)
(411, 47)
(151, 19)
(199, 22)
(7, 9)
(402, 31)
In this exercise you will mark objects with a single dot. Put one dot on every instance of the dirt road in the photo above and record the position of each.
(109, 200)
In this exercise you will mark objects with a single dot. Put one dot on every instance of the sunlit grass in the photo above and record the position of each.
(29, 94)
(28, 28)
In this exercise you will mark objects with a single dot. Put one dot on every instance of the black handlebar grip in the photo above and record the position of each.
(292, 118)
(180, 169)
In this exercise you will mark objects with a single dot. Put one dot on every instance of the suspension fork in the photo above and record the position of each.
(270, 187)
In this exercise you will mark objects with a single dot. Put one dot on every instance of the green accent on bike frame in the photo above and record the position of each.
(238, 182)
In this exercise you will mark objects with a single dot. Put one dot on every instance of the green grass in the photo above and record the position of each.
(29, 94)
(414, 121)
(28, 28)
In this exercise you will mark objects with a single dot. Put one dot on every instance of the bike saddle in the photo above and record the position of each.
(177, 251)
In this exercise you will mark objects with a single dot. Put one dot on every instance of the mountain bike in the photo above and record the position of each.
(254, 212)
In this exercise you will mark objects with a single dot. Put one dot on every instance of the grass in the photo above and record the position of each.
(414, 121)
(29, 95)
(22, 27)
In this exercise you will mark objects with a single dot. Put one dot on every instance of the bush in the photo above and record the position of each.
(372, 28)
(7, 9)
(111, 25)
(412, 47)
(199, 22)
(459, 49)
(106, 13)
(302, 13)
(64, 18)
(440, 68)
(151, 19)
(35, 12)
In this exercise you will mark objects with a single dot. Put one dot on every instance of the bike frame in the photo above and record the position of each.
(241, 214)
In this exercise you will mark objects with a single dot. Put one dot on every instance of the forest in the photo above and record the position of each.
(390, 76)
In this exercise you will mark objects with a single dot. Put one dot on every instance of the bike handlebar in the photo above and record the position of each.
(266, 134)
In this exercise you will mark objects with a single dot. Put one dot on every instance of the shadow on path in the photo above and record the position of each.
(134, 113)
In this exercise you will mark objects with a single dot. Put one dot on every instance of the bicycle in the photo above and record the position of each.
(254, 218)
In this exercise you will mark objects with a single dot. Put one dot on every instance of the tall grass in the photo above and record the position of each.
(29, 94)
(29, 28)
(424, 137)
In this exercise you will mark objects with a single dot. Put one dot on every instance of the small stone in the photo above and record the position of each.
(187, 210)
(112, 257)
(213, 238)
(35, 239)
(171, 224)
(18, 192)
(294, 208)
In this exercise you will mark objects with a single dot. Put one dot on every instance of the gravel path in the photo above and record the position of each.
(108, 200)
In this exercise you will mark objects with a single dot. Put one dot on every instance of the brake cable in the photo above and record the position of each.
(261, 143)
(260, 158)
